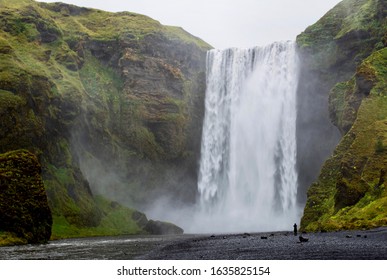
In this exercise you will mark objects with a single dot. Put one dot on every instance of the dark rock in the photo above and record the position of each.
(245, 235)
(348, 236)
(263, 237)
(162, 228)
(70, 10)
(140, 219)
(24, 208)
(303, 239)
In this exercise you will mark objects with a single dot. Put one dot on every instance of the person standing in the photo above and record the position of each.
(295, 229)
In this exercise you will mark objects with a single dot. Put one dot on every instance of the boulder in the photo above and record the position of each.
(24, 209)
(162, 228)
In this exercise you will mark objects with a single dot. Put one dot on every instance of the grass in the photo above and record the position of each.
(175, 32)
(341, 113)
(117, 220)
(14, 3)
(352, 26)
(361, 16)
(10, 239)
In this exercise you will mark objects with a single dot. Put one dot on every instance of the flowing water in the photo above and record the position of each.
(248, 178)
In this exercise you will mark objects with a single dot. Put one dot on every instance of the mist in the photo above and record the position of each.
(247, 177)
(260, 149)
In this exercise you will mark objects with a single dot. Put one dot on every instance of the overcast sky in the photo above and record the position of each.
(226, 23)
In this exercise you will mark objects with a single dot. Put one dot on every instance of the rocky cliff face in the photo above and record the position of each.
(110, 102)
(346, 52)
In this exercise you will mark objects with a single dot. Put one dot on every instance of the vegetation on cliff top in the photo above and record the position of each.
(346, 35)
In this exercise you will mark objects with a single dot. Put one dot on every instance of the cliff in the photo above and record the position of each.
(346, 51)
(111, 104)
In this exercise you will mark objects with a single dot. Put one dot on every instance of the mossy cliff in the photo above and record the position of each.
(24, 211)
(111, 104)
(346, 49)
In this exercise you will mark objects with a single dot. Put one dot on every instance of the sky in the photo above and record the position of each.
(225, 23)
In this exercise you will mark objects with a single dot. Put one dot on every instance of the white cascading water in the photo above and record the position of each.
(248, 178)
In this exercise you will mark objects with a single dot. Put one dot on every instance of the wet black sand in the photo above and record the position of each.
(350, 245)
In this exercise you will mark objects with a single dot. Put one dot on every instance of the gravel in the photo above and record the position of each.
(344, 245)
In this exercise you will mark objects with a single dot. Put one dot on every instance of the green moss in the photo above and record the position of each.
(103, 83)
(349, 42)
(361, 16)
(351, 28)
(102, 25)
(70, 197)
(174, 32)
(117, 220)
(15, 4)
(341, 98)
(9, 100)
(350, 192)
(24, 209)
(377, 73)
(379, 146)
(370, 212)
(10, 239)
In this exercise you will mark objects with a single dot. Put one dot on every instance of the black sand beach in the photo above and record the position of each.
(344, 245)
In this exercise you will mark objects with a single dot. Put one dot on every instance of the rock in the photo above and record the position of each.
(162, 228)
(263, 237)
(140, 219)
(245, 235)
(24, 208)
(303, 239)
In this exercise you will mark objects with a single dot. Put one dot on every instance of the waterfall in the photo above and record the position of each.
(247, 177)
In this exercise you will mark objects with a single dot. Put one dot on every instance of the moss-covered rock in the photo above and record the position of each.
(24, 210)
(350, 191)
(346, 51)
(345, 36)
